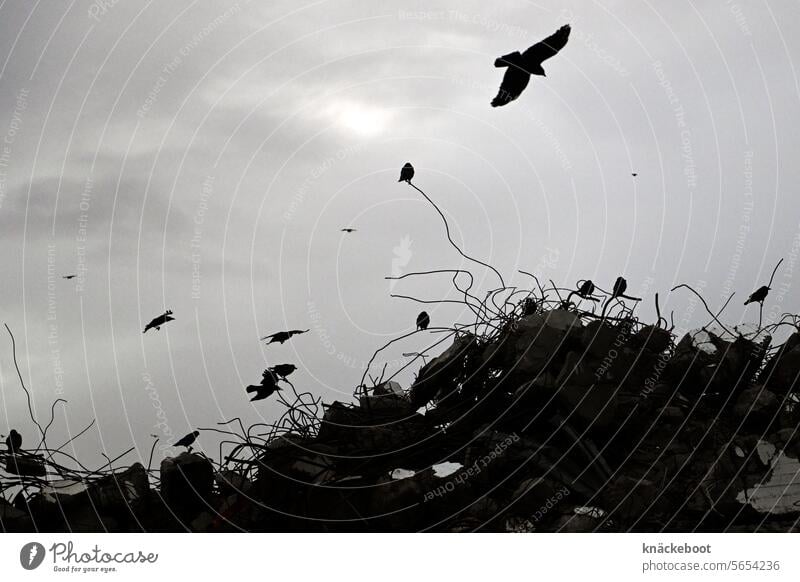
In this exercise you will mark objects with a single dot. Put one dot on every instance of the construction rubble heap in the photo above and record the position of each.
(554, 422)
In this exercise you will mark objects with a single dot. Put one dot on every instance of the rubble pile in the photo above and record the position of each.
(554, 422)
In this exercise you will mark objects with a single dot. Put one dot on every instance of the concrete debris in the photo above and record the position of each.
(555, 421)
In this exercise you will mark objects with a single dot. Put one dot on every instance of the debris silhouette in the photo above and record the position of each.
(520, 67)
(157, 322)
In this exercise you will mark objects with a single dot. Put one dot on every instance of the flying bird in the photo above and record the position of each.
(13, 442)
(283, 370)
(188, 440)
(282, 336)
(267, 387)
(423, 320)
(68, 276)
(406, 173)
(620, 286)
(758, 295)
(348, 230)
(159, 321)
(520, 67)
(634, 174)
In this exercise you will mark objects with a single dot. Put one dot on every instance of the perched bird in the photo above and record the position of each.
(348, 230)
(586, 289)
(267, 387)
(68, 276)
(282, 336)
(406, 173)
(188, 440)
(758, 295)
(423, 320)
(13, 442)
(283, 370)
(159, 321)
(620, 286)
(520, 67)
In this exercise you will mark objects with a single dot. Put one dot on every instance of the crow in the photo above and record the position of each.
(267, 387)
(406, 173)
(520, 67)
(586, 289)
(620, 286)
(423, 320)
(188, 440)
(758, 295)
(159, 321)
(283, 370)
(348, 230)
(13, 442)
(68, 276)
(282, 336)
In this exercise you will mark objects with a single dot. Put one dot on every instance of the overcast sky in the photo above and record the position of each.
(202, 156)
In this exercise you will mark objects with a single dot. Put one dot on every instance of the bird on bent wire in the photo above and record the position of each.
(268, 386)
(520, 67)
(620, 286)
(758, 295)
(13, 442)
(188, 440)
(282, 336)
(283, 370)
(157, 322)
(586, 289)
(423, 321)
(406, 173)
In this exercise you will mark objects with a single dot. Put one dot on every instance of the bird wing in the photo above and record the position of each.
(297, 331)
(548, 47)
(514, 82)
(272, 335)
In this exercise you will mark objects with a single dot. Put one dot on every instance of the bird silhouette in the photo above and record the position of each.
(758, 295)
(634, 174)
(423, 320)
(188, 440)
(68, 276)
(282, 336)
(348, 230)
(406, 173)
(283, 370)
(586, 289)
(159, 321)
(268, 386)
(620, 286)
(520, 67)
(13, 442)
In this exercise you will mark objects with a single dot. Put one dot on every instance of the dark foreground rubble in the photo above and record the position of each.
(554, 422)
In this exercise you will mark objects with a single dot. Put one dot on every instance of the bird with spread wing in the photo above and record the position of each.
(520, 67)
